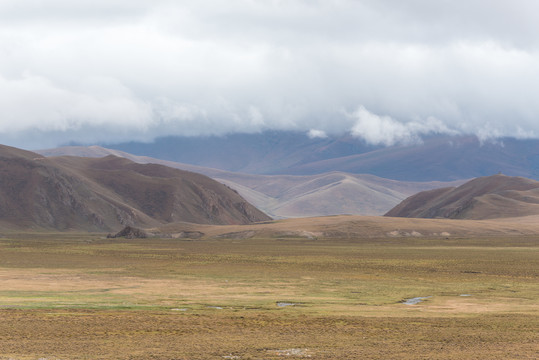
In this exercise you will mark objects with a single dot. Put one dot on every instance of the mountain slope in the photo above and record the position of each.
(283, 196)
(108, 193)
(496, 196)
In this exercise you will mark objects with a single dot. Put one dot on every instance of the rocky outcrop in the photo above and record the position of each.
(129, 232)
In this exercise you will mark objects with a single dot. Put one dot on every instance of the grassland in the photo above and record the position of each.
(81, 296)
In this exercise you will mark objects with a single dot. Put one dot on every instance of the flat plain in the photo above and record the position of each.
(82, 296)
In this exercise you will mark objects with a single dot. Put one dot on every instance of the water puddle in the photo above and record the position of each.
(415, 301)
(285, 304)
(465, 295)
(215, 307)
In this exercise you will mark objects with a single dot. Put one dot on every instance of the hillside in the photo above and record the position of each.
(490, 197)
(107, 193)
(285, 196)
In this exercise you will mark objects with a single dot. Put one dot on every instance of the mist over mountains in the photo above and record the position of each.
(292, 174)
(289, 174)
(269, 152)
(435, 158)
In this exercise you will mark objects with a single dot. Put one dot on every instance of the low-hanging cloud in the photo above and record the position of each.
(388, 72)
(317, 134)
(383, 130)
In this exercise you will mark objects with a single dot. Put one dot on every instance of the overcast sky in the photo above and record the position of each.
(385, 71)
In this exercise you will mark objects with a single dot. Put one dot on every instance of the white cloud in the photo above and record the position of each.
(34, 102)
(135, 69)
(383, 130)
(314, 134)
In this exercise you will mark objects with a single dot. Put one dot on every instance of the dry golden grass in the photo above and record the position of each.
(80, 296)
(90, 334)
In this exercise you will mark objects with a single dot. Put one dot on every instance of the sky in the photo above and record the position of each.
(387, 72)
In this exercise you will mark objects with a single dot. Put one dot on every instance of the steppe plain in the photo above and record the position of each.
(320, 288)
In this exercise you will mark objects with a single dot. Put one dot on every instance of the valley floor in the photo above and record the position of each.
(81, 296)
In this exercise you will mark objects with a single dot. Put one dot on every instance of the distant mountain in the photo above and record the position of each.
(443, 158)
(107, 193)
(270, 152)
(490, 197)
(284, 196)
(440, 158)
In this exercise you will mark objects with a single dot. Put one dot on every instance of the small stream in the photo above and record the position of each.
(415, 301)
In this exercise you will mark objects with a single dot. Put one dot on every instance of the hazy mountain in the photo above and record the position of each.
(490, 197)
(440, 158)
(283, 196)
(270, 152)
(108, 193)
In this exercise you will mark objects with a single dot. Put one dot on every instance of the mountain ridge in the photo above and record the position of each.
(104, 194)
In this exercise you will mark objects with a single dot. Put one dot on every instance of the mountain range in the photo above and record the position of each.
(105, 189)
(108, 193)
(435, 158)
(286, 196)
(269, 152)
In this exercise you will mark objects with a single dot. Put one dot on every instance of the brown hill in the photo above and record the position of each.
(109, 193)
(286, 196)
(490, 197)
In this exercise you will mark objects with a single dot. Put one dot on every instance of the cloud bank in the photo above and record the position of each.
(385, 71)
